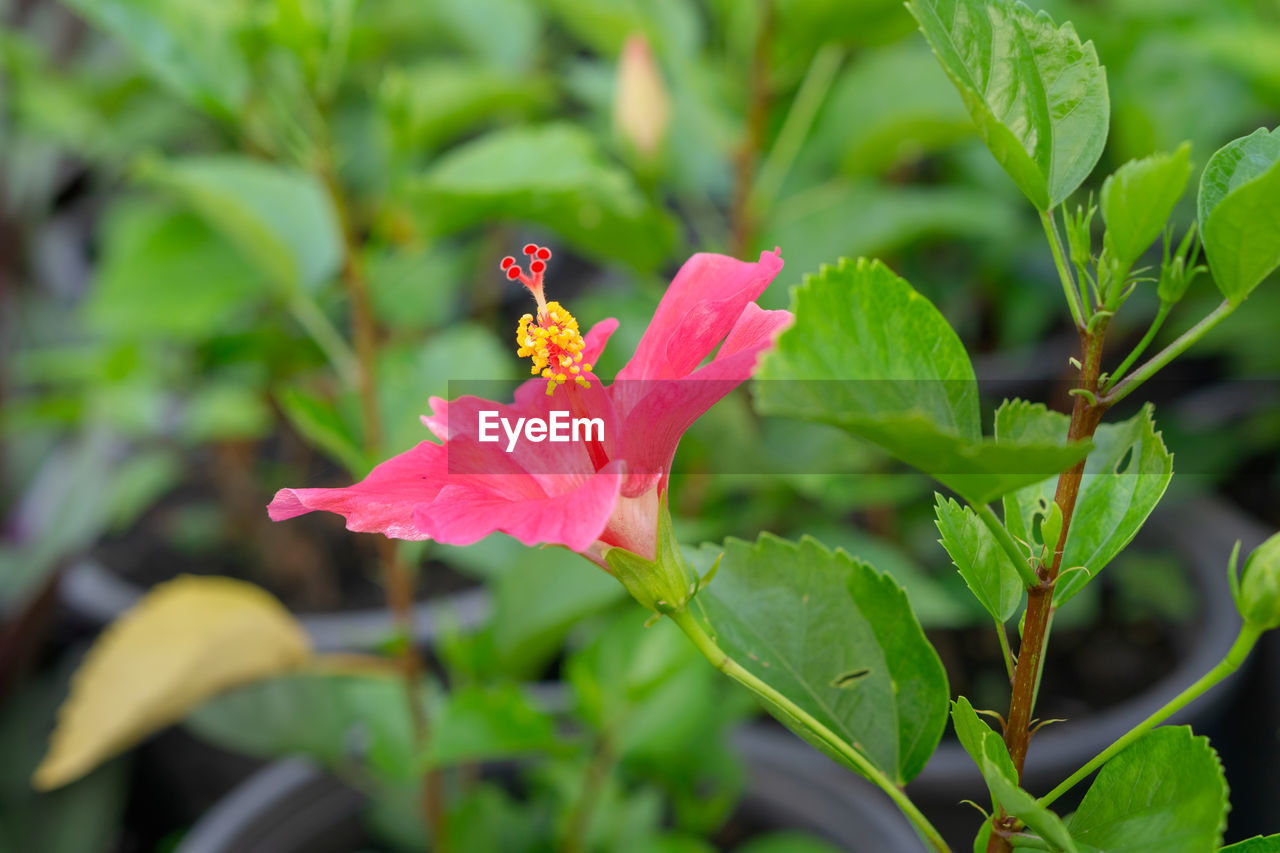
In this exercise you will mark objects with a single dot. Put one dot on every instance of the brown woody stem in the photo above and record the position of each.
(395, 575)
(1085, 417)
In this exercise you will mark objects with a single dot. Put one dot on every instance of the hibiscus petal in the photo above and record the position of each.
(468, 510)
(382, 502)
(655, 414)
(703, 303)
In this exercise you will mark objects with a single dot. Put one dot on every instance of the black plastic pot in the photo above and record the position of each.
(291, 807)
(97, 597)
(1204, 531)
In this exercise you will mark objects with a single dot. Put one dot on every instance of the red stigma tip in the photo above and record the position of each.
(537, 266)
(530, 249)
(513, 272)
(507, 261)
(544, 254)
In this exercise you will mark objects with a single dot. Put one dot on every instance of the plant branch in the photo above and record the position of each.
(730, 667)
(1069, 288)
(1169, 353)
(1085, 417)
(1235, 656)
(1138, 350)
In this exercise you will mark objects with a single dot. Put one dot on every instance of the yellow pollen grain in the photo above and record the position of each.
(555, 345)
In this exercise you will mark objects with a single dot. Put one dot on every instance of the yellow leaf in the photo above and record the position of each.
(187, 640)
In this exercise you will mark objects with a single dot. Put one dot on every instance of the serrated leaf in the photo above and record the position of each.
(1239, 212)
(1137, 200)
(1024, 807)
(983, 745)
(1037, 94)
(554, 175)
(988, 751)
(842, 616)
(187, 640)
(191, 48)
(870, 354)
(280, 218)
(1165, 793)
(985, 567)
(1269, 844)
(1124, 478)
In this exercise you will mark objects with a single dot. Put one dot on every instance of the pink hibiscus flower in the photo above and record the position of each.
(602, 489)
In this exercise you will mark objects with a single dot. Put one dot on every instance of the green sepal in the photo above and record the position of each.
(664, 584)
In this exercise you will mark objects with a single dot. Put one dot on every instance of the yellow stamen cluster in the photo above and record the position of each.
(555, 344)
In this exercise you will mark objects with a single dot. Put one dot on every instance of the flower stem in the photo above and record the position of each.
(730, 667)
(1001, 533)
(1169, 353)
(1235, 656)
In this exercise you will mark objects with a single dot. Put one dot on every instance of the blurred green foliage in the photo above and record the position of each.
(185, 187)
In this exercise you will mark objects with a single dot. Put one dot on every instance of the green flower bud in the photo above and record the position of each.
(1259, 589)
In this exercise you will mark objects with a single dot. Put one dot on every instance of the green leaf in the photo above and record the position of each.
(281, 218)
(166, 274)
(484, 723)
(871, 355)
(1269, 844)
(1163, 794)
(553, 175)
(335, 718)
(850, 651)
(353, 715)
(984, 746)
(894, 123)
(865, 217)
(191, 48)
(1024, 807)
(546, 592)
(983, 564)
(1037, 94)
(988, 751)
(1138, 199)
(431, 103)
(322, 425)
(1124, 479)
(1239, 211)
